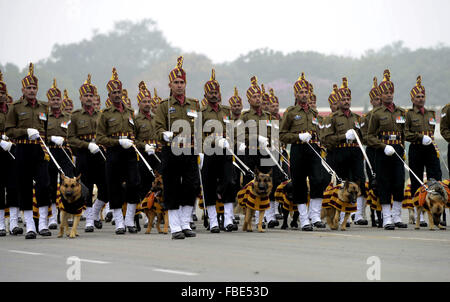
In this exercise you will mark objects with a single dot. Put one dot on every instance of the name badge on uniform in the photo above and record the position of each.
(226, 119)
(42, 116)
(171, 109)
(400, 120)
(130, 119)
(192, 113)
(432, 121)
(65, 125)
(297, 117)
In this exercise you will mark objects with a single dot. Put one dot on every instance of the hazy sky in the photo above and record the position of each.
(223, 30)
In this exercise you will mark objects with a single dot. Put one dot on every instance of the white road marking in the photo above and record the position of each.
(94, 261)
(174, 272)
(379, 237)
(26, 253)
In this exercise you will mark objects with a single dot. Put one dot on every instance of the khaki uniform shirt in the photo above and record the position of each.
(418, 125)
(295, 121)
(113, 124)
(22, 116)
(251, 115)
(57, 126)
(386, 128)
(445, 123)
(82, 128)
(334, 131)
(145, 130)
(222, 115)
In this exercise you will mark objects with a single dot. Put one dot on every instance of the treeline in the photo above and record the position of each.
(140, 51)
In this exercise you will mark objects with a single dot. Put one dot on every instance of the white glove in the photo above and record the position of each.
(125, 143)
(389, 150)
(33, 134)
(241, 148)
(93, 148)
(58, 140)
(263, 141)
(5, 145)
(202, 156)
(223, 143)
(5, 138)
(149, 149)
(305, 137)
(350, 135)
(426, 140)
(167, 135)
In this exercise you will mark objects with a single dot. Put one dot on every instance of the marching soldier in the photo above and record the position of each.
(300, 127)
(265, 102)
(236, 105)
(386, 134)
(90, 162)
(217, 165)
(57, 126)
(180, 172)
(67, 104)
(445, 127)
(97, 102)
(313, 99)
(419, 130)
(116, 131)
(8, 189)
(339, 133)
(26, 123)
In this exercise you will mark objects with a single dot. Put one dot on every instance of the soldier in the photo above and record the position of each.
(265, 102)
(300, 127)
(125, 99)
(217, 165)
(26, 123)
(90, 162)
(67, 104)
(419, 130)
(116, 131)
(339, 133)
(386, 134)
(312, 98)
(156, 100)
(96, 103)
(8, 189)
(180, 172)
(57, 126)
(236, 105)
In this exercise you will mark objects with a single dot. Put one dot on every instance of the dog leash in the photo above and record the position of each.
(325, 164)
(51, 156)
(364, 153)
(240, 161)
(144, 160)
(205, 217)
(276, 163)
(414, 174)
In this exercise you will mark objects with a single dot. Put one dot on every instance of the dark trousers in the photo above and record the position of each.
(122, 166)
(278, 176)
(92, 169)
(349, 165)
(306, 164)
(8, 184)
(419, 158)
(371, 155)
(31, 165)
(53, 172)
(217, 179)
(390, 176)
(181, 179)
(146, 176)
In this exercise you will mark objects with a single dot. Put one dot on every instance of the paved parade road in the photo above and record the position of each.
(277, 255)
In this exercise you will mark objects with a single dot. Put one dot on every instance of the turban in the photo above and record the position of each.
(375, 91)
(2, 84)
(125, 99)
(114, 83)
(265, 96)
(54, 91)
(235, 98)
(334, 96)
(108, 103)
(143, 92)
(178, 71)
(344, 90)
(311, 91)
(418, 88)
(204, 102)
(30, 79)
(156, 99)
(301, 83)
(66, 100)
(254, 88)
(212, 84)
(272, 98)
(386, 85)
(87, 87)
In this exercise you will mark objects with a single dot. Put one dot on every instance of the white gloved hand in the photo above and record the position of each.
(5, 138)
(241, 148)
(58, 140)
(426, 140)
(93, 148)
(350, 135)
(305, 137)
(223, 143)
(389, 150)
(33, 134)
(168, 135)
(125, 143)
(5, 145)
(149, 149)
(202, 156)
(263, 141)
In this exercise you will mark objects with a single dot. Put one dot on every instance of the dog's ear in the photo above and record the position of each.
(61, 178)
(78, 177)
(270, 172)
(346, 183)
(256, 171)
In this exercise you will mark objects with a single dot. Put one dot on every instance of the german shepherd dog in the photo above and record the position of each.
(73, 200)
(347, 194)
(433, 203)
(288, 191)
(261, 189)
(152, 211)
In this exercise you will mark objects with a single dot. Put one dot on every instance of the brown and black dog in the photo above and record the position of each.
(73, 202)
(347, 194)
(155, 206)
(433, 202)
(258, 195)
